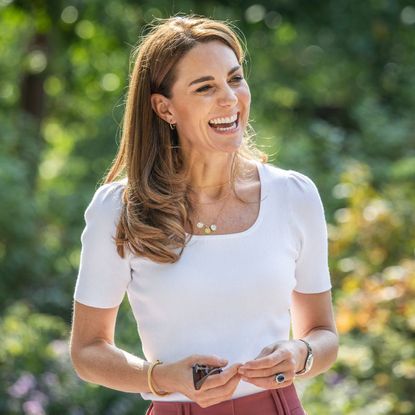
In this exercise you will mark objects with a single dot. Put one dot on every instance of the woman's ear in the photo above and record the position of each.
(161, 106)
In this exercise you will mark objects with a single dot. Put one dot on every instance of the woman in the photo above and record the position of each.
(218, 251)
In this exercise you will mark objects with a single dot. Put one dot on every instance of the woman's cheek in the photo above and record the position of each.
(245, 94)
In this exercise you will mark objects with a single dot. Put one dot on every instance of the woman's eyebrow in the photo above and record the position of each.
(211, 78)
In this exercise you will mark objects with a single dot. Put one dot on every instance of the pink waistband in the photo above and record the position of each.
(282, 401)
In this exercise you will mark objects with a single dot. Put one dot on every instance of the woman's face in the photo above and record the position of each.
(210, 99)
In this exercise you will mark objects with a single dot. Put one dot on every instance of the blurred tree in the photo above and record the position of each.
(371, 244)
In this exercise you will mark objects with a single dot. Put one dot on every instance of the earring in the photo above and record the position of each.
(172, 126)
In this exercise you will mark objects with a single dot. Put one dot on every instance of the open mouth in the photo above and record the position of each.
(225, 124)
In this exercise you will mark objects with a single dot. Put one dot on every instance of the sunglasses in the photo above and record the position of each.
(201, 373)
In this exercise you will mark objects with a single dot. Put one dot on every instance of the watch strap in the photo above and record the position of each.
(309, 353)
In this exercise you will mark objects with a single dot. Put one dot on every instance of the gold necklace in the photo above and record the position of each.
(216, 201)
(211, 185)
(207, 229)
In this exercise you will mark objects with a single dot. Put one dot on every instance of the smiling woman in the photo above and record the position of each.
(219, 252)
(211, 112)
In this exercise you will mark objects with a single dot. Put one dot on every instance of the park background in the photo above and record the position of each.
(333, 96)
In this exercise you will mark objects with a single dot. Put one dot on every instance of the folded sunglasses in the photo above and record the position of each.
(202, 372)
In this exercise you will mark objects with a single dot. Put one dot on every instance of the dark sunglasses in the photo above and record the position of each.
(201, 373)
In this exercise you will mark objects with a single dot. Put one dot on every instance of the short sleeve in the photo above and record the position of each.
(310, 231)
(103, 275)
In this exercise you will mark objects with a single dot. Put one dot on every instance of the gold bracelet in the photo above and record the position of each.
(149, 381)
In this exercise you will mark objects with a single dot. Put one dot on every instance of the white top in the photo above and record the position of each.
(228, 295)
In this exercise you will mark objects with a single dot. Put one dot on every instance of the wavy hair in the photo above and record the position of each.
(156, 203)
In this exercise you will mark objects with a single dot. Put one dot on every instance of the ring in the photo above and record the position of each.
(280, 378)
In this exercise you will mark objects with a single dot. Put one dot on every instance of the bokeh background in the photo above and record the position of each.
(333, 85)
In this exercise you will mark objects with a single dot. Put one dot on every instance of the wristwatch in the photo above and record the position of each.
(308, 361)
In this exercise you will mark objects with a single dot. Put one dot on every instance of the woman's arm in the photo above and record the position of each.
(313, 320)
(96, 359)
(94, 355)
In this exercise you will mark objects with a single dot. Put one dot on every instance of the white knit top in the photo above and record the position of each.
(228, 295)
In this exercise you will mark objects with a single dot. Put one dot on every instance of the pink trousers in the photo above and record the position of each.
(283, 401)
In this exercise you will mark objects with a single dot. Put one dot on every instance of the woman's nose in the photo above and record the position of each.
(228, 97)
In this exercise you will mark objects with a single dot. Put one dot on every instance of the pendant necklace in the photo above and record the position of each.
(207, 229)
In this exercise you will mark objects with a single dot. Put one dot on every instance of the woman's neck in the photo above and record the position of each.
(210, 176)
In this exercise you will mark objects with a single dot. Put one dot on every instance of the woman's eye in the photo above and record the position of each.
(203, 88)
(237, 78)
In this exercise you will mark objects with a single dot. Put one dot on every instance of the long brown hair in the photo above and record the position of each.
(156, 204)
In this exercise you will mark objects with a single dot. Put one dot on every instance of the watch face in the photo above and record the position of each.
(309, 362)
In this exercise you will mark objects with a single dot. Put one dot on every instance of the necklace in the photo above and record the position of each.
(207, 229)
(211, 185)
(216, 201)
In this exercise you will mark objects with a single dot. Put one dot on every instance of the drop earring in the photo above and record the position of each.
(172, 126)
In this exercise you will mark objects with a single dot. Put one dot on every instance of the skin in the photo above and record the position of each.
(208, 154)
(95, 356)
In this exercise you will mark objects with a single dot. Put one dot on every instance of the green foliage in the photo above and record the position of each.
(37, 376)
(371, 246)
(333, 96)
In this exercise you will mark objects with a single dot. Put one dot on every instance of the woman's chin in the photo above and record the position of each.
(231, 139)
(230, 145)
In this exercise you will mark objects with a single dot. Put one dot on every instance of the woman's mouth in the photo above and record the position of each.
(225, 124)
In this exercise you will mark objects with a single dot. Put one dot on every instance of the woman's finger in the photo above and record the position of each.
(221, 379)
(284, 366)
(269, 382)
(214, 361)
(266, 351)
(268, 361)
(220, 393)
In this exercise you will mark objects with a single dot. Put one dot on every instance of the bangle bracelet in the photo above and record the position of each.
(149, 380)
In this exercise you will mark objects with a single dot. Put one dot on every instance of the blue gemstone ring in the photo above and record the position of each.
(280, 378)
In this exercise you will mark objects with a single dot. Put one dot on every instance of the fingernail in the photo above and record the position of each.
(244, 378)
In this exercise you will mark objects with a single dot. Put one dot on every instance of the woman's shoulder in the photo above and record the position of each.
(107, 200)
(297, 182)
(300, 193)
(295, 187)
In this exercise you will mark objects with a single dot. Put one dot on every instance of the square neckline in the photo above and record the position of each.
(260, 168)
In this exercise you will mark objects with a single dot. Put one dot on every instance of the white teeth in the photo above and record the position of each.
(226, 128)
(226, 120)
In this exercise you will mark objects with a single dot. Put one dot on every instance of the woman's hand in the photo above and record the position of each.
(178, 377)
(286, 357)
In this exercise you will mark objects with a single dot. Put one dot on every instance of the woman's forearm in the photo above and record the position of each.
(104, 364)
(324, 344)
